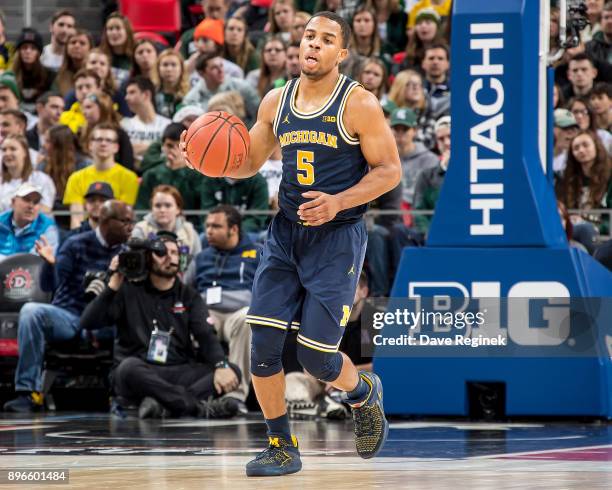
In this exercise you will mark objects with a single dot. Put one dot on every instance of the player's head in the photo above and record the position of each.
(324, 44)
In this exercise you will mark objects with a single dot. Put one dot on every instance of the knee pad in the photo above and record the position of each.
(266, 350)
(325, 366)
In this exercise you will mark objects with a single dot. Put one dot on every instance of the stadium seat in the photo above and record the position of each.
(19, 284)
(153, 15)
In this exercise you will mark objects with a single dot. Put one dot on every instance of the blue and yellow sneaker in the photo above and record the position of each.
(281, 458)
(371, 426)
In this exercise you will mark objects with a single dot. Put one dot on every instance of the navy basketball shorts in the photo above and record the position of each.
(306, 280)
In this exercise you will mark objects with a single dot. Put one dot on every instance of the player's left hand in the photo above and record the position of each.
(322, 208)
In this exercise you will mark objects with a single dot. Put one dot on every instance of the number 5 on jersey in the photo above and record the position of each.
(305, 159)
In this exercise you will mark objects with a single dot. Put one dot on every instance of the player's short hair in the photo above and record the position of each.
(345, 28)
(231, 213)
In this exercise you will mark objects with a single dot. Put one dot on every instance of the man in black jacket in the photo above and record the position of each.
(155, 363)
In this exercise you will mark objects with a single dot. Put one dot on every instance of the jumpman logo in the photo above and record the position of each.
(286, 120)
(351, 271)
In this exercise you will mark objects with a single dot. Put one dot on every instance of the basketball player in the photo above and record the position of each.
(338, 154)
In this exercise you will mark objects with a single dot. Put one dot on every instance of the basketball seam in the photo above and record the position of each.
(212, 138)
(230, 139)
(203, 126)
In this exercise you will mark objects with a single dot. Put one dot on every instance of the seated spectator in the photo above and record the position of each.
(373, 77)
(429, 181)
(208, 39)
(300, 20)
(568, 227)
(213, 9)
(17, 169)
(564, 131)
(32, 77)
(414, 156)
(146, 126)
(59, 321)
(273, 66)
(408, 91)
(97, 108)
(154, 155)
(272, 171)
(23, 225)
(441, 7)
(63, 157)
(171, 171)
(280, 19)
(601, 102)
(61, 26)
(594, 10)
(436, 67)
(86, 82)
(598, 48)
(10, 97)
(14, 123)
(78, 46)
(558, 100)
(118, 42)
(581, 73)
(223, 274)
(97, 194)
(294, 69)
(102, 147)
(210, 68)
(144, 61)
(49, 107)
(581, 108)
(586, 185)
(391, 21)
(237, 48)
(7, 48)
(244, 194)
(167, 215)
(173, 82)
(153, 356)
(427, 32)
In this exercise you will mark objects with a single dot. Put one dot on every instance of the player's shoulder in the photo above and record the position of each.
(362, 99)
(269, 104)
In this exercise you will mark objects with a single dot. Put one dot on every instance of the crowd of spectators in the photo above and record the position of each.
(90, 123)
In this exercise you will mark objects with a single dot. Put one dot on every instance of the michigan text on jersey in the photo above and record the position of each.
(315, 137)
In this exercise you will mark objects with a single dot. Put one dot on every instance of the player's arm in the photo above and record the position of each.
(363, 117)
(261, 135)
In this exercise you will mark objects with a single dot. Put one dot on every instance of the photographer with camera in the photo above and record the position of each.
(156, 317)
(80, 256)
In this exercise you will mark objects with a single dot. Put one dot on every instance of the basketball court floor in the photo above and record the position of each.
(105, 451)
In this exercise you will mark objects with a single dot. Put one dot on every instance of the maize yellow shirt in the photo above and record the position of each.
(444, 10)
(123, 181)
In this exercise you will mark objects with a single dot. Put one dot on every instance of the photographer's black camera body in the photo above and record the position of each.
(135, 261)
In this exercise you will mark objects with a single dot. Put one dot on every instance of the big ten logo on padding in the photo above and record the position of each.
(18, 284)
(532, 313)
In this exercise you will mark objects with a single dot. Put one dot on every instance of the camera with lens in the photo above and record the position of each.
(577, 20)
(94, 283)
(135, 261)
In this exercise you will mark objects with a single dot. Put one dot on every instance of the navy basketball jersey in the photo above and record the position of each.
(318, 152)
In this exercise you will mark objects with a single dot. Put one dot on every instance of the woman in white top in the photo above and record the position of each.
(17, 168)
(167, 215)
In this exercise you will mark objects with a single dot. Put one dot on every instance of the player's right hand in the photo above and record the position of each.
(183, 147)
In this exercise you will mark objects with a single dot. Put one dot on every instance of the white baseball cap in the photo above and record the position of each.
(26, 189)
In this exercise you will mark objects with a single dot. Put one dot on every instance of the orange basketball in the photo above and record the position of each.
(217, 143)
